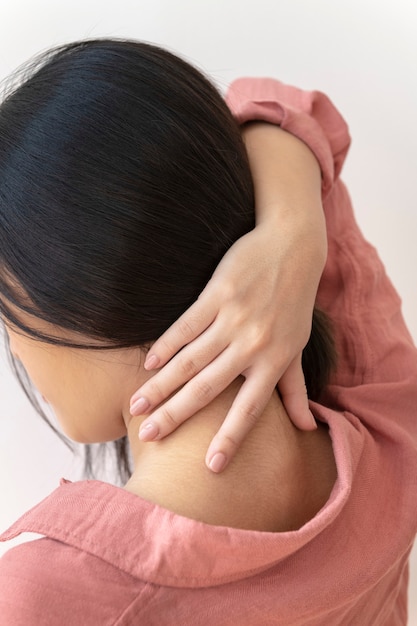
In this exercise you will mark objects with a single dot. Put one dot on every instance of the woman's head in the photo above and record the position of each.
(123, 181)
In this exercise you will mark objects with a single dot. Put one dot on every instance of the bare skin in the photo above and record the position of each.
(278, 480)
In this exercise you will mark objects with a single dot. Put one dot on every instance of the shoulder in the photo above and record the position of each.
(49, 582)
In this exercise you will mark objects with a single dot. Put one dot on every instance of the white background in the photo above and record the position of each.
(362, 53)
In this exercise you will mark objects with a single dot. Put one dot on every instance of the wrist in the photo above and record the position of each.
(288, 233)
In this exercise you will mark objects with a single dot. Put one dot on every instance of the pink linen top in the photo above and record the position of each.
(110, 557)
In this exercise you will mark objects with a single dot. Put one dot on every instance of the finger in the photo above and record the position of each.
(243, 415)
(186, 328)
(292, 388)
(180, 369)
(195, 395)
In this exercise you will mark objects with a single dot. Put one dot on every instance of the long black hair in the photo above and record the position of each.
(123, 181)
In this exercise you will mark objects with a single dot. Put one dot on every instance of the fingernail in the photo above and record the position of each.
(139, 407)
(313, 421)
(151, 362)
(218, 462)
(148, 431)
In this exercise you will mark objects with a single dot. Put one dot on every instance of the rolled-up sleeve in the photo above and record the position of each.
(308, 115)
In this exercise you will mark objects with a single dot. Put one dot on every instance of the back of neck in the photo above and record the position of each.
(262, 487)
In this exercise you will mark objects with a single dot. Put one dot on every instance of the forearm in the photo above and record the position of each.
(287, 184)
(285, 172)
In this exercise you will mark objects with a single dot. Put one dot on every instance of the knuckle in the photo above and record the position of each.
(226, 290)
(154, 392)
(260, 336)
(185, 329)
(231, 442)
(169, 418)
(167, 346)
(188, 368)
(203, 391)
(250, 414)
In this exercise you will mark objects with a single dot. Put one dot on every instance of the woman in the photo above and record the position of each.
(133, 178)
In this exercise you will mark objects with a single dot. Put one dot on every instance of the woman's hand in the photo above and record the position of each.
(254, 316)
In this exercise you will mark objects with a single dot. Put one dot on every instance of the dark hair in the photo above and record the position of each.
(123, 181)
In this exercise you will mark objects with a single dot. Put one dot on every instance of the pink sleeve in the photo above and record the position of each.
(309, 115)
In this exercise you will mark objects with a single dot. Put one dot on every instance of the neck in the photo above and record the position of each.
(260, 489)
